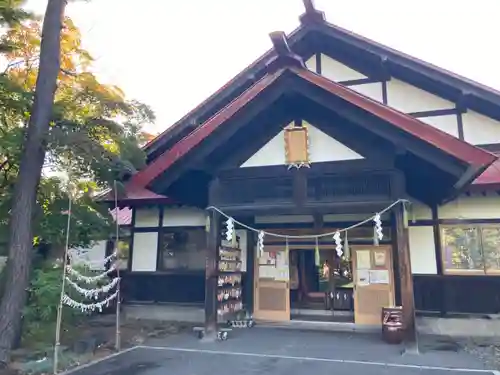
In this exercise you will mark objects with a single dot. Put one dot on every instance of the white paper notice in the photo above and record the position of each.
(363, 277)
(363, 260)
(267, 272)
(379, 277)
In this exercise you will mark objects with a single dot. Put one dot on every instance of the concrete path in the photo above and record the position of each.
(260, 351)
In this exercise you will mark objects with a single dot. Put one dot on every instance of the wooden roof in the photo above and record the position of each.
(134, 193)
(287, 64)
(383, 61)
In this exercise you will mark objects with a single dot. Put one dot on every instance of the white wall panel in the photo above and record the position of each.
(422, 250)
(479, 129)
(145, 251)
(147, 217)
(184, 217)
(407, 98)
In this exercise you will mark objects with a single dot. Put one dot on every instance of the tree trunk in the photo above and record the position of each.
(21, 231)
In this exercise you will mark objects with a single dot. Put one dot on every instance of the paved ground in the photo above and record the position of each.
(268, 351)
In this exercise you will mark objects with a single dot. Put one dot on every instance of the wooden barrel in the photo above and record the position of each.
(392, 325)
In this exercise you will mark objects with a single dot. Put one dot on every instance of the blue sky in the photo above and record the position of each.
(173, 54)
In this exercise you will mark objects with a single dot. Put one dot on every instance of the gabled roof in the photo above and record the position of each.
(466, 92)
(476, 159)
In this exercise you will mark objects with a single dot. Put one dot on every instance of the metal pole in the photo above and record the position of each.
(117, 262)
(63, 284)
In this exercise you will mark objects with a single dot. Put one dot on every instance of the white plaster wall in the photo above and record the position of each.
(475, 207)
(311, 63)
(407, 98)
(93, 255)
(371, 90)
(184, 217)
(479, 129)
(273, 153)
(147, 217)
(336, 71)
(145, 251)
(420, 211)
(322, 148)
(447, 124)
(422, 250)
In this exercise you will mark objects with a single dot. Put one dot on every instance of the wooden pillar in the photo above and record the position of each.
(407, 296)
(211, 275)
(248, 293)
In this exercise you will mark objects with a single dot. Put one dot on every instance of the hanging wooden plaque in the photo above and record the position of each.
(297, 146)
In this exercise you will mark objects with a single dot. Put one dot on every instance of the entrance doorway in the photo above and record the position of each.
(341, 289)
(321, 292)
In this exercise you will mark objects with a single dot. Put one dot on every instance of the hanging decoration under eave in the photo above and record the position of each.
(342, 250)
(378, 235)
(260, 244)
(316, 253)
(338, 243)
(347, 250)
(297, 147)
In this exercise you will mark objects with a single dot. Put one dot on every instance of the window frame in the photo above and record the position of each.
(171, 229)
(464, 272)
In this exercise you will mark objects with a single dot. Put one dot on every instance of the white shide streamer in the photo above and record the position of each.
(378, 227)
(89, 279)
(93, 293)
(75, 259)
(338, 243)
(260, 244)
(229, 229)
(88, 307)
(322, 235)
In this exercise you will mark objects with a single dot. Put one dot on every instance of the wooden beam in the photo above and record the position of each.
(299, 187)
(406, 281)
(211, 276)
(311, 14)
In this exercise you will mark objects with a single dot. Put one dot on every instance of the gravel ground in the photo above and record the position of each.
(488, 351)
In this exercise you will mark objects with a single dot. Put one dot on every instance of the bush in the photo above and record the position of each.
(40, 314)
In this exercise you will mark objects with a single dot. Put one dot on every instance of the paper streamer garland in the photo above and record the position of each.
(90, 307)
(89, 279)
(93, 293)
(260, 244)
(89, 264)
(379, 235)
(316, 254)
(229, 229)
(347, 250)
(338, 243)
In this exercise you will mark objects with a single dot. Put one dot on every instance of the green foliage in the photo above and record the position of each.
(43, 301)
(40, 313)
(94, 135)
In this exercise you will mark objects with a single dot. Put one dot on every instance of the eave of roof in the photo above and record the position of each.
(165, 160)
(469, 154)
(490, 178)
(427, 133)
(315, 22)
(134, 192)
